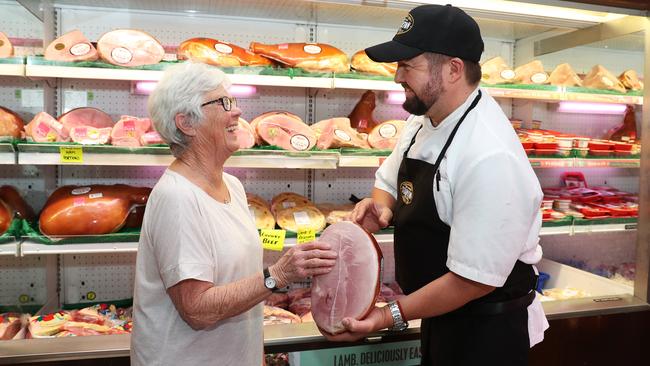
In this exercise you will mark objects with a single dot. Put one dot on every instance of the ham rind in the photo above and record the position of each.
(129, 48)
(6, 48)
(245, 135)
(531, 73)
(85, 117)
(258, 139)
(10, 123)
(128, 131)
(219, 53)
(361, 117)
(44, 128)
(496, 71)
(336, 133)
(70, 47)
(286, 132)
(90, 210)
(351, 288)
(600, 78)
(386, 134)
(316, 57)
(361, 62)
(90, 135)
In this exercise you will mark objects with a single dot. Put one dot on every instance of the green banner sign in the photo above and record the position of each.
(385, 354)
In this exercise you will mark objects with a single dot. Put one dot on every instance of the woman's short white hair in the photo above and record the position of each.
(181, 90)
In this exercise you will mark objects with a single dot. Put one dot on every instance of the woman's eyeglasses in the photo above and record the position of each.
(226, 102)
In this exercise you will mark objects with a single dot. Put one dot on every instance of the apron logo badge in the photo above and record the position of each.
(407, 24)
(406, 192)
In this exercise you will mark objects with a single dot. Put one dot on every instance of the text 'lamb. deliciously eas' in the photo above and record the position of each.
(70, 47)
(351, 288)
(563, 75)
(11, 125)
(496, 71)
(314, 57)
(531, 73)
(219, 53)
(6, 48)
(600, 78)
(129, 48)
(362, 63)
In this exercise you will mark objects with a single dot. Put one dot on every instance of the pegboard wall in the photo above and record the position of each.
(336, 186)
(34, 182)
(12, 97)
(23, 280)
(582, 59)
(270, 182)
(102, 277)
(85, 175)
(17, 22)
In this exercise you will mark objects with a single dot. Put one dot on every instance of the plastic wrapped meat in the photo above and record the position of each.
(600, 78)
(6, 48)
(70, 47)
(44, 128)
(315, 57)
(336, 133)
(563, 75)
(630, 80)
(219, 53)
(128, 131)
(496, 71)
(10, 124)
(128, 47)
(361, 117)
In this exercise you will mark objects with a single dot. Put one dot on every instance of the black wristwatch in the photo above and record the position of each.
(269, 282)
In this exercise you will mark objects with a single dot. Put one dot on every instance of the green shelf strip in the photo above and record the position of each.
(123, 303)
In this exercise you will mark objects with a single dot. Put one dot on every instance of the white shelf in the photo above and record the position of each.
(270, 80)
(36, 158)
(556, 230)
(9, 249)
(560, 94)
(7, 154)
(27, 248)
(340, 83)
(283, 161)
(67, 72)
(12, 69)
(605, 228)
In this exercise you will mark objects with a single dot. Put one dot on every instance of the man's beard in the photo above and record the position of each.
(420, 105)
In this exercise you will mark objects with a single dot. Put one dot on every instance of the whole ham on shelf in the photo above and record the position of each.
(100, 319)
(6, 48)
(496, 71)
(563, 75)
(245, 134)
(130, 48)
(337, 132)
(288, 200)
(11, 124)
(386, 134)
(260, 211)
(90, 210)
(361, 117)
(258, 139)
(531, 73)
(12, 205)
(219, 53)
(630, 80)
(87, 126)
(128, 131)
(70, 47)
(361, 62)
(315, 57)
(600, 78)
(151, 138)
(45, 128)
(352, 287)
(285, 131)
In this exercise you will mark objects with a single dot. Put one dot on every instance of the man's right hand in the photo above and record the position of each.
(371, 215)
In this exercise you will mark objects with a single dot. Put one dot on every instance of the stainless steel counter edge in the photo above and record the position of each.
(61, 349)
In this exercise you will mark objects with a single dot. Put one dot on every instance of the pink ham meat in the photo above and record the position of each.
(128, 47)
(284, 131)
(151, 138)
(44, 128)
(336, 132)
(386, 134)
(258, 139)
(85, 117)
(90, 135)
(352, 287)
(70, 47)
(245, 135)
(128, 131)
(6, 48)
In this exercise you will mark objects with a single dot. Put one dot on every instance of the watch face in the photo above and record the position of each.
(269, 282)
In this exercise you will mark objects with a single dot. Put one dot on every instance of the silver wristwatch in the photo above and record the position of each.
(398, 322)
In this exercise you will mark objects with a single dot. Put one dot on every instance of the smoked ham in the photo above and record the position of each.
(286, 132)
(258, 139)
(44, 128)
(219, 53)
(6, 216)
(128, 131)
(336, 133)
(386, 134)
(351, 288)
(70, 47)
(128, 47)
(245, 134)
(630, 80)
(12, 198)
(315, 57)
(627, 131)
(6, 48)
(10, 124)
(563, 75)
(361, 117)
(262, 215)
(90, 210)
(531, 73)
(361, 62)
(496, 71)
(300, 217)
(600, 78)
(85, 117)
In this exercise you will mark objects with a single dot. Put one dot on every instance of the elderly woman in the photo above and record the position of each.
(199, 280)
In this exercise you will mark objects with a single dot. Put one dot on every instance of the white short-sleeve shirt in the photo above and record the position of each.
(488, 194)
(186, 234)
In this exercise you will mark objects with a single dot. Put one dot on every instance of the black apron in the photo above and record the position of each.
(492, 330)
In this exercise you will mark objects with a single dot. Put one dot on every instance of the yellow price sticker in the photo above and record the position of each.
(306, 235)
(272, 239)
(72, 154)
(91, 296)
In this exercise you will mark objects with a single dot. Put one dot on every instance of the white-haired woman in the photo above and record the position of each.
(199, 278)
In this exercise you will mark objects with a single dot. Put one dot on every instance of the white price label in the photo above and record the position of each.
(74, 99)
(302, 218)
(31, 98)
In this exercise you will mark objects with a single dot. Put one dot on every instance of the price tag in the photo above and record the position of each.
(74, 99)
(306, 235)
(73, 154)
(91, 296)
(272, 239)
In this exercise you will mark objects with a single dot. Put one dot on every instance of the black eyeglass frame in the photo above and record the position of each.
(226, 102)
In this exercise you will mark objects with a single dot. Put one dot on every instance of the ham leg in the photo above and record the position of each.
(10, 123)
(316, 57)
(219, 53)
(128, 47)
(361, 117)
(70, 47)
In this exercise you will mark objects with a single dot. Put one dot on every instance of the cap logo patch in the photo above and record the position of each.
(407, 24)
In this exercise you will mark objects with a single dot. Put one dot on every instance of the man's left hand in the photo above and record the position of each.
(378, 318)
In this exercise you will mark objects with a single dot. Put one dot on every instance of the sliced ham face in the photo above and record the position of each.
(600, 78)
(70, 47)
(10, 123)
(90, 210)
(44, 128)
(151, 138)
(563, 75)
(245, 134)
(128, 131)
(129, 48)
(336, 133)
(286, 132)
(258, 139)
(361, 62)
(385, 135)
(496, 71)
(85, 117)
(6, 48)
(351, 288)
(361, 117)
(315, 57)
(531, 73)
(90, 135)
(219, 53)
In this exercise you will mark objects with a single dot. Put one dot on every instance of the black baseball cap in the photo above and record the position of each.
(441, 29)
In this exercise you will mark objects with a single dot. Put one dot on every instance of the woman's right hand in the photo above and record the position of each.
(371, 215)
(302, 261)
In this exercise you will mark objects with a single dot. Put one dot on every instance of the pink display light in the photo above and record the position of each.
(598, 108)
(395, 97)
(237, 91)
